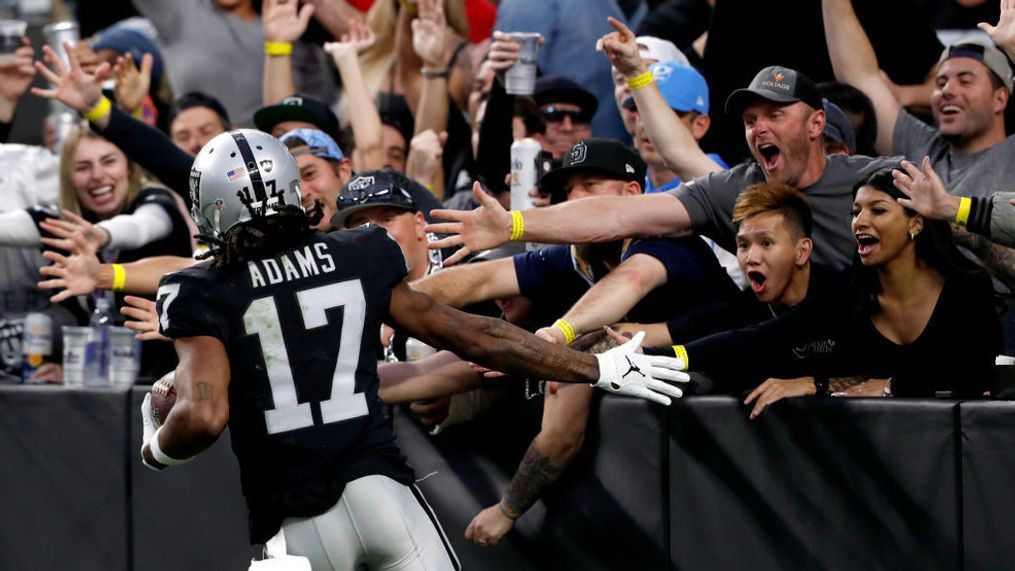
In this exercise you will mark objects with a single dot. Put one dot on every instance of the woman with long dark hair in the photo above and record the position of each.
(912, 309)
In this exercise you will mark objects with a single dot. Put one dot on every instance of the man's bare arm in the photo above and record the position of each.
(595, 219)
(436, 376)
(854, 62)
(675, 142)
(481, 281)
(614, 295)
(202, 400)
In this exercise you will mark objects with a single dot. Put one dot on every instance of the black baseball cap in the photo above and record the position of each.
(777, 84)
(298, 108)
(837, 126)
(557, 89)
(606, 156)
(382, 187)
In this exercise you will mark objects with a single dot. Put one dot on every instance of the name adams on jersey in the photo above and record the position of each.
(300, 329)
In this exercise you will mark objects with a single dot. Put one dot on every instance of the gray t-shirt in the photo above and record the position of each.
(211, 51)
(709, 201)
(974, 174)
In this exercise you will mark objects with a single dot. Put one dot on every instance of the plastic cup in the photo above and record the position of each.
(11, 32)
(60, 32)
(124, 357)
(520, 79)
(75, 343)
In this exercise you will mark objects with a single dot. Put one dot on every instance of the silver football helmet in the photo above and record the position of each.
(239, 176)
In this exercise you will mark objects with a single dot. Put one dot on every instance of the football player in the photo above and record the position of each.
(277, 337)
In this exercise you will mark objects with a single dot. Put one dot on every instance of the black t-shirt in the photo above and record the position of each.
(741, 311)
(832, 335)
(300, 329)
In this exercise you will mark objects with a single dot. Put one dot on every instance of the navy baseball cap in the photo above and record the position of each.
(382, 187)
(319, 143)
(778, 85)
(606, 156)
(683, 88)
(298, 108)
(984, 51)
(837, 126)
(556, 89)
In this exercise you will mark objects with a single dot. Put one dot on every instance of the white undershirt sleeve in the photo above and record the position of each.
(150, 222)
(17, 228)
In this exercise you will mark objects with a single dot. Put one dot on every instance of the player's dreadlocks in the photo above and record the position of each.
(263, 236)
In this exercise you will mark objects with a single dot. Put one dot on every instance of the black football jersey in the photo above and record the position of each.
(300, 329)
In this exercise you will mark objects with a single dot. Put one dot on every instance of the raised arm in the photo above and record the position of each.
(15, 77)
(202, 404)
(854, 62)
(1003, 34)
(595, 219)
(429, 42)
(143, 144)
(675, 142)
(613, 296)
(471, 283)
(282, 26)
(363, 115)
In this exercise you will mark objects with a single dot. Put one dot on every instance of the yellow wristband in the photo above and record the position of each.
(278, 48)
(681, 353)
(962, 216)
(119, 277)
(566, 329)
(411, 7)
(517, 226)
(639, 81)
(100, 110)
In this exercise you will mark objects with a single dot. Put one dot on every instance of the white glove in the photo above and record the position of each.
(625, 372)
(148, 426)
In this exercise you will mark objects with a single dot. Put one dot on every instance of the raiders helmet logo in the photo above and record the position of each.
(579, 152)
(267, 165)
(361, 182)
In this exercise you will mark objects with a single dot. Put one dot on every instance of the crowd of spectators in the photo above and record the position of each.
(794, 198)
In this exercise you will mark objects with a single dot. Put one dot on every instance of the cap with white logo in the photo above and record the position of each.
(605, 156)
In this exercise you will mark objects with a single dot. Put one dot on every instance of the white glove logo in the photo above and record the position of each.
(654, 386)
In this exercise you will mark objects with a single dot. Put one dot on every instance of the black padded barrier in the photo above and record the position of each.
(814, 484)
(811, 484)
(64, 479)
(988, 496)
(191, 516)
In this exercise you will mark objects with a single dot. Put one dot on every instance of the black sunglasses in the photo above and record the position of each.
(553, 114)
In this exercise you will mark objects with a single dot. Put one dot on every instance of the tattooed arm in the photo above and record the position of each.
(999, 260)
(202, 400)
(493, 343)
(564, 418)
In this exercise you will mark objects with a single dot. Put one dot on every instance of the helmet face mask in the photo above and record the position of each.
(240, 176)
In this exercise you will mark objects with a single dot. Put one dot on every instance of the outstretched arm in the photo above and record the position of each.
(471, 283)
(675, 143)
(496, 344)
(854, 62)
(202, 402)
(595, 219)
(613, 296)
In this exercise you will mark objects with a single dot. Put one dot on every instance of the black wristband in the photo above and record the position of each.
(820, 385)
(434, 73)
(980, 210)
